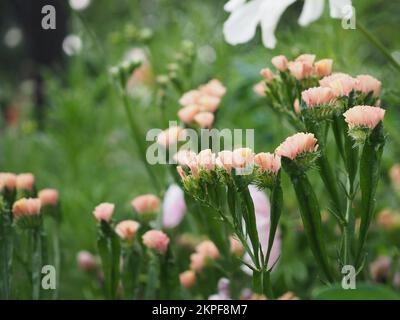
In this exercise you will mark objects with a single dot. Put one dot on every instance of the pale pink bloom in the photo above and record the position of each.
(268, 162)
(174, 207)
(197, 261)
(189, 98)
(208, 249)
(280, 62)
(214, 88)
(48, 197)
(297, 144)
(267, 74)
(171, 136)
(307, 58)
(380, 269)
(317, 96)
(157, 240)
(104, 211)
(242, 158)
(260, 201)
(364, 116)
(146, 203)
(26, 207)
(187, 279)
(208, 103)
(296, 106)
(223, 290)
(394, 174)
(25, 181)
(340, 83)
(185, 157)
(204, 119)
(225, 160)
(259, 88)
(236, 248)
(367, 83)
(188, 113)
(206, 159)
(323, 68)
(86, 261)
(127, 229)
(300, 69)
(8, 180)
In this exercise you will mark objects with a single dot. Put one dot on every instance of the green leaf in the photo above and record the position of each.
(364, 291)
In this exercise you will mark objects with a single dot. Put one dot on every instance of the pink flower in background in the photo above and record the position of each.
(280, 62)
(104, 211)
(197, 261)
(209, 103)
(394, 174)
(223, 290)
(297, 144)
(204, 119)
(188, 113)
(323, 68)
(25, 181)
(213, 88)
(171, 136)
(127, 229)
(296, 106)
(367, 83)
(190, 98)
(206, 159)
(146, 203)
(86, 261)
(317, 96)
(174, 207)
(48, 197)
(268, 162)
(26, 207)
(259, 88)
(157, 240)
(364, 116)
(208, 249)
(188, 279)
(267, 74)
(8, 180)
(236, 248)
(341, 84)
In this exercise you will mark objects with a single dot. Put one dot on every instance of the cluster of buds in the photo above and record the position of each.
(204, 252)
(26, 213)
(199, 106)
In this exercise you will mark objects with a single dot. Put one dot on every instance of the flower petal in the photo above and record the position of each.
(271, 13)
(312, 10)
(231, 5)
(340, 9)
(241, 24)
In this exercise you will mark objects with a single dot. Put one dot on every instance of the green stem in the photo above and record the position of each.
(36, 262)
(57, 256)
(374, 41)
(267, 285)
(258, 282)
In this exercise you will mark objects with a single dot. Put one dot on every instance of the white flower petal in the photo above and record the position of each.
(241, 24)
(233, 4)
(340, 9)
(272, 11)
(312, 10)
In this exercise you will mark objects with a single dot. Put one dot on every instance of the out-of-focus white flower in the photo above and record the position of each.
(72, 44)
(13, 37)
(136, 55)
(79, 5)
(174, 207)
(245, 16)
(206, 54)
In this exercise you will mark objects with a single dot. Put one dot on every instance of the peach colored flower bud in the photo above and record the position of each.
(8, 180)
(296, 106)
(225, 160)
(297, 69)
(127, 229)
(187, 279)
(104, 211)
(288, 296)
(367, 83)
(171, 136)
(86, 261)
(157, 240)
(297, 144)
(340, 83)
(204, 119)
(185, 157)
(208, 249)
(213, 88)
(388, 219)
(190, 98)
(236, 247)
(25, 181)
(307, 58)
(268, 162)
(323, 68)
(26, 207)
(206, 160)
(267, 74)
(317, 96)
(48, 197)
(394, 174)
(187, 114)
(259, 88)
(208, 103)
(364, 116)
(147, 203)
(280, 63)
(197, 262)
(243, 158)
